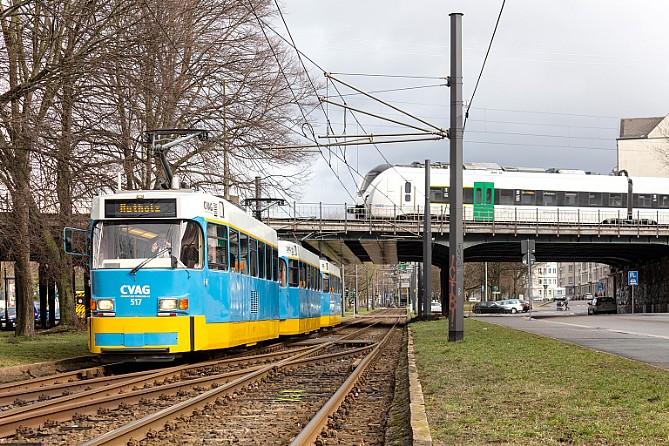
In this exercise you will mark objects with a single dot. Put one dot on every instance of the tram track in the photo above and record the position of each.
(208, 384)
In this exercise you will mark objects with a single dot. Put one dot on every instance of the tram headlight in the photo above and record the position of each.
(168, 304)
(105, 305)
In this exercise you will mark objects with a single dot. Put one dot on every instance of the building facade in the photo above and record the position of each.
(643, 147)
(581, 278)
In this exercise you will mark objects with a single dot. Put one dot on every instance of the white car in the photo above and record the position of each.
(512, 306)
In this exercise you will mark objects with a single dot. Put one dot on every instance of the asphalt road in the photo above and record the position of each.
(643, 337)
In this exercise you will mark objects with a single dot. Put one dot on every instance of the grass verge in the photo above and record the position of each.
(502, 386)
(44, 346)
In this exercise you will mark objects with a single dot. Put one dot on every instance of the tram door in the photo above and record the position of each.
(484, 201)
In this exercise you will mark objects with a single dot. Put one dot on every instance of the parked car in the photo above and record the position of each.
(38, 322)
(602, 304)
(487, 307)
(513, 306)
(8, 323)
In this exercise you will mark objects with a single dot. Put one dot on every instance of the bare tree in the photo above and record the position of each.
(202, 64)
(44, 44)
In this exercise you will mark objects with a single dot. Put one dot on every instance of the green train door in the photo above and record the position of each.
(484, 201)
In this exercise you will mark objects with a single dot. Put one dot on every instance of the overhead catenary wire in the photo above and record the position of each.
(343, 157)
(485, 59)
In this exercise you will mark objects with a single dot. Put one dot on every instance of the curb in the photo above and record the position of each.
(419, 424)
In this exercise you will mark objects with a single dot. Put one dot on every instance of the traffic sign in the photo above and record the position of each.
(529, 258)
(600, 286)
(632, 277)
(527, 246)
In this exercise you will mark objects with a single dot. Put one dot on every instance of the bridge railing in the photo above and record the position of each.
(505, 214)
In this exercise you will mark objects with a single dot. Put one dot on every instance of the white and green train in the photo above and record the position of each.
(495, 193)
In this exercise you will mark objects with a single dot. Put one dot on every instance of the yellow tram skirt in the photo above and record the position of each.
(174, 333)
(299, 326)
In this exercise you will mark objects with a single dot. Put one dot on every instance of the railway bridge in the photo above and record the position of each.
(642, 246)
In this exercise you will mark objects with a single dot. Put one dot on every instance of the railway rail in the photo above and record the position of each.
(292, 393)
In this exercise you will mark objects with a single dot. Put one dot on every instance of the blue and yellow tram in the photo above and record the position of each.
(331, 297)
(299, 292)
(179, 271)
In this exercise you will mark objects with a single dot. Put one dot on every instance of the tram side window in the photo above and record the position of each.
(217, 246)
(326, 283)
(275, 264)
(234, 249)
(282, 273)
(243, 253)
(313, 277)
(303, 275)
(263, 268)
(293, 273)
(253, 257)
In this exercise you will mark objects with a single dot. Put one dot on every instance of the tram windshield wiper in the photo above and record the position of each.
(147, 260)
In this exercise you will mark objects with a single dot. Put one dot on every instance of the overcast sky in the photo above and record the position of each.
(560, 76)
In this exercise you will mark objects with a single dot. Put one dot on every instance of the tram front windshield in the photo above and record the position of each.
(126, 244)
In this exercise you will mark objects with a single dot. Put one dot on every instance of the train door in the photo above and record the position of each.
(484, 201)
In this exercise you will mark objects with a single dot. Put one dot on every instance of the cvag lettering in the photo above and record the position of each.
(135, 290)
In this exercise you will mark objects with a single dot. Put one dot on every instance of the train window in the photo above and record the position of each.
(293, 273)
(439, 194)
(505, 197)
(262, 262)
(571, 199)
(488, 196)
(253, 257)
(275, 264)
(217, 246)
(407, 187)
(594, 199)
(234, 250)
(478, 196)
(663, 201)
(467, 195)
(644, 201)
(615, 200)
(527, 197)
(549, 198)
(282, 273)
(583, 198)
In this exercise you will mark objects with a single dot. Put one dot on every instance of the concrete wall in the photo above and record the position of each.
(652, 293)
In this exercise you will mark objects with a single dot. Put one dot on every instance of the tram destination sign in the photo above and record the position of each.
(141, 208)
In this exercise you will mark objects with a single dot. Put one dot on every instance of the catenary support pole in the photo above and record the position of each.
(456, 300)
(427, 247)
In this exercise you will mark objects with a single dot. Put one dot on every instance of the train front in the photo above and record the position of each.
(145, 267)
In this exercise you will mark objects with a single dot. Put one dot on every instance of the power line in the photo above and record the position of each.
(499, 16)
